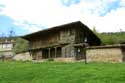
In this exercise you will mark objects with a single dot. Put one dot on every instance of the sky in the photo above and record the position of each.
(28, 16)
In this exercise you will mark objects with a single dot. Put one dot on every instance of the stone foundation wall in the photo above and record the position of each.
(22, 57)
(64, 59)
(104, 55)
(7, 53)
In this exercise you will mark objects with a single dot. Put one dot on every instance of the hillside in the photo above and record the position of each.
(110, 37)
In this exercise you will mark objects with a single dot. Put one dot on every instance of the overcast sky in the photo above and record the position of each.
(27, 16)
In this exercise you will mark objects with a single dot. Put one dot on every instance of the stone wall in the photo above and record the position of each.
(7, 53)
(71, 59)
(104, 55)
(22, 57)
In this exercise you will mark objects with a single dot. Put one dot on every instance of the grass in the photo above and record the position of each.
(53, 72)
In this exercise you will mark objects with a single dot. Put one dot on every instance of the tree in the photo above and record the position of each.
(95, 31)
(20, 45)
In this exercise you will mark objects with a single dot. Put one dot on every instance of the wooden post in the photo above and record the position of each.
(84, 49)
(30, 52)
(49, 53)
(55, 52)
(41, 54)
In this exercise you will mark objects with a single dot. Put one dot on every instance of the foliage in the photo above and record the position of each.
(1, 53)
(21, 45)
(110, 37)
(95, 31)
(53, 72)
(113, 38)
(50, 59)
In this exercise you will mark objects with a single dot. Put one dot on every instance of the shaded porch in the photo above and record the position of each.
(46, 53)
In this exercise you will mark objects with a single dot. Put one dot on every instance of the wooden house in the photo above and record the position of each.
(63, 41)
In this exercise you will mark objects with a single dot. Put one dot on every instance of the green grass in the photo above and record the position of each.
(53, 72)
